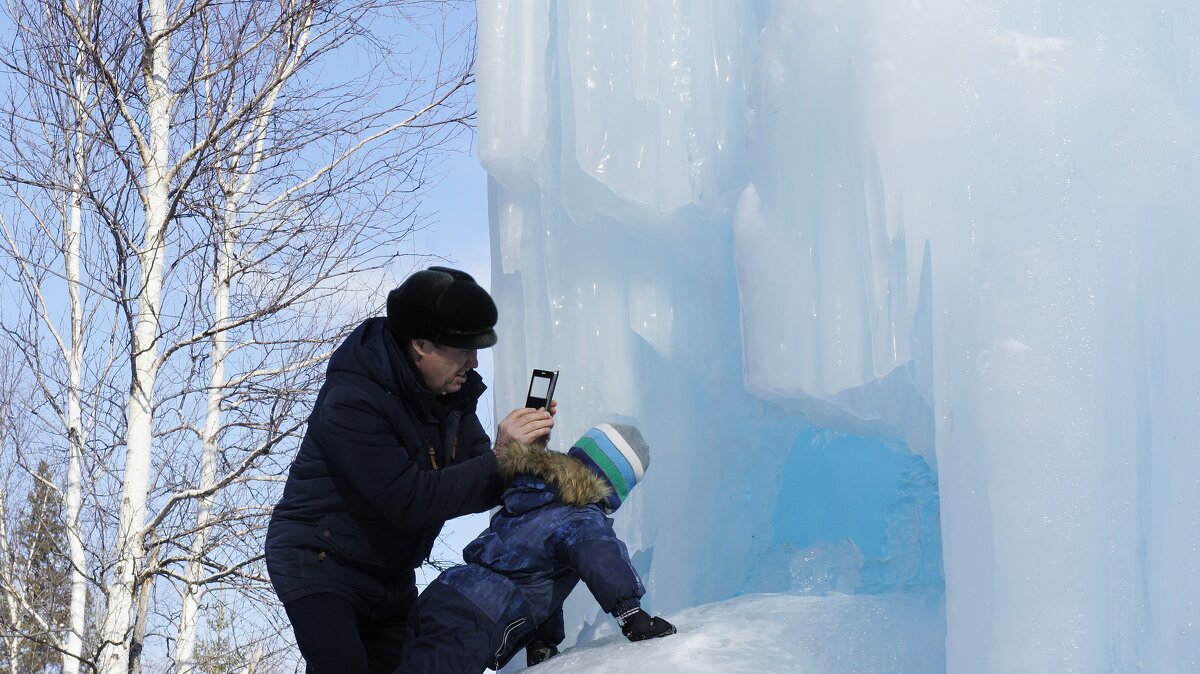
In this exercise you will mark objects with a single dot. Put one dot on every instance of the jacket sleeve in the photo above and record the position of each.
(476, 438)
(361, 444)
(588, 544)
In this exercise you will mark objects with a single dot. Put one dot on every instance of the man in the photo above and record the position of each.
(393, 449)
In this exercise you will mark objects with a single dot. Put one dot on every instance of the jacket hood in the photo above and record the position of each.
(575, 484)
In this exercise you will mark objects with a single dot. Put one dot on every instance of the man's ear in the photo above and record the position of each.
(420, 348)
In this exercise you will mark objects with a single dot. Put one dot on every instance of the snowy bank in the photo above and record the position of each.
(761, 633)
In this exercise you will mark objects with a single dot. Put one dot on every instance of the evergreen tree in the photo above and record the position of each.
(218, 653)
(45, 574)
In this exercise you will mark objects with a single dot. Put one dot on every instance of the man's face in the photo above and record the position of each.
(444, 368)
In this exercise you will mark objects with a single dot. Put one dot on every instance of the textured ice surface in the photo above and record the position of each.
(842, 261)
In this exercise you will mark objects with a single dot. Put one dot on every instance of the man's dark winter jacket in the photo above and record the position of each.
(363, 503)
(550, 533)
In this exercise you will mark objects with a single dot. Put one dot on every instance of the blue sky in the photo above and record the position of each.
(457, 206)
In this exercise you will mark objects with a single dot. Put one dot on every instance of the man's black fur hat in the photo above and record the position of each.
(445, 306)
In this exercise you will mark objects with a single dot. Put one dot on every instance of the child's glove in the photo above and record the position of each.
(640, 625)
(538, 652)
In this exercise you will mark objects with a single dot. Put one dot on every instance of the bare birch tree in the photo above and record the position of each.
(247, 167)
(45, 168)
(12, 594)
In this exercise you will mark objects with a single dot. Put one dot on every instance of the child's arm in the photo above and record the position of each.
(591, 547)
(638, 625)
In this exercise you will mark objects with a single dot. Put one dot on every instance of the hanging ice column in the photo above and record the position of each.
(951, 236)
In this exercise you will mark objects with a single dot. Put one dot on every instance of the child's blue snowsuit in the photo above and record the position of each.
(549, 534)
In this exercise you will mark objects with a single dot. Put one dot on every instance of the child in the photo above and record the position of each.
(550, 533)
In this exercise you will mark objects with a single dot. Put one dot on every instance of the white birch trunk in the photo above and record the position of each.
(185, 655)
(8, 600)
(72, 243)
(193, 594)
(141, 616)
(115, 632)
(73, 644)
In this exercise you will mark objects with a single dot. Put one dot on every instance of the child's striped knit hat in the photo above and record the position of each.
(618, 454)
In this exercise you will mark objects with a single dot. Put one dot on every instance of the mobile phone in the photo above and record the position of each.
(541, 388)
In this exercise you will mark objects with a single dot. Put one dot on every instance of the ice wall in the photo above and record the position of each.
(840, 259)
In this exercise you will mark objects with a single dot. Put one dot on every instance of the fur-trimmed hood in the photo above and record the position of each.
(575, 484)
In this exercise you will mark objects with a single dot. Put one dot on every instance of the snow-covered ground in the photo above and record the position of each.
(762, 633)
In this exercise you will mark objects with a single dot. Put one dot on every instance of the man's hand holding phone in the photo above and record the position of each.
(531, 425)
(526, 426)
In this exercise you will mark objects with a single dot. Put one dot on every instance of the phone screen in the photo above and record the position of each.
(539, 387)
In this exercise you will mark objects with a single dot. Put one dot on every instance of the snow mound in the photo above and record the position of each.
(796, 634)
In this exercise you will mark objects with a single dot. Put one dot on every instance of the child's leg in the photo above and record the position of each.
(446, 633)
